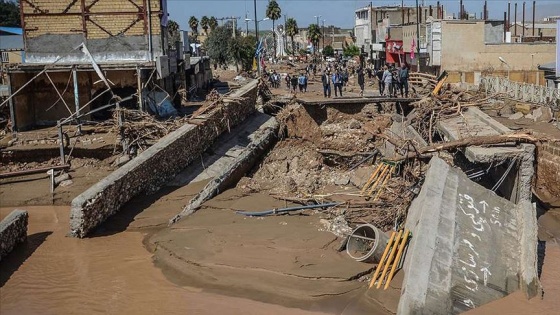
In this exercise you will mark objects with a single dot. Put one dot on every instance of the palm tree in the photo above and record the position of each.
(193, 23)
(314, 34)
(273, 12)
(213, 23)
(292, 30)
(204, 23)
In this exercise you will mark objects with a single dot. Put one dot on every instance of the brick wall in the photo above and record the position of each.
(158, 164)
(101, 17)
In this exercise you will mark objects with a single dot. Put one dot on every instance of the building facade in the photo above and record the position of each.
(102, 48)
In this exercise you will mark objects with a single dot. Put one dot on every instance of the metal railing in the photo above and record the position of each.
(520, 91)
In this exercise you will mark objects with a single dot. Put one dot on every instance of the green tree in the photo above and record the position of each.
(292, 30)
(314, 35)
(351, 51)
(193, 24)
(173, 33)
(9, 14)
(241, 50)
(204, 23)
(213, 23)
(217, 45)
(273, 12)
(328, 51)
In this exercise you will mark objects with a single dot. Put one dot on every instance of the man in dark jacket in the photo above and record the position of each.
(403, 76)
(361, 80)
(326, 80)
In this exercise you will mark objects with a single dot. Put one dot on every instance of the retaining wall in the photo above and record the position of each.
(13, 230)
(159, 163)
(548, 168)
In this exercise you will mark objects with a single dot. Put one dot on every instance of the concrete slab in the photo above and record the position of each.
(475, 123)
(469, 246)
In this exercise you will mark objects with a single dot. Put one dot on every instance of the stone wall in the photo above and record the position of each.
(548, 169)
(13, 230)
(159, 163)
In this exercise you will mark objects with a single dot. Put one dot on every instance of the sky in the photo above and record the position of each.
(335, 12)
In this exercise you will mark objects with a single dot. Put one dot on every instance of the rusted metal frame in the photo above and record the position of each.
(91, 5)
(69, 6)
(145, 16)
(130, 26)
(32, 5)
(58, 93)
(101, 27)
(22, 18)
(84, 19)
(134, 4)
(84, 13)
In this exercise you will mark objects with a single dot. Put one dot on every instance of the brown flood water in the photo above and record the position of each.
(113, 274)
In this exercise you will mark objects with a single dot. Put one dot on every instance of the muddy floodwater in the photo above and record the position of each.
(109, 274)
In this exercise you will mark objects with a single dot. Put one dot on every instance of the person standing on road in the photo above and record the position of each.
(337, 82)
(288, 79)
(294, 81)
(379, 76)
(361, 80)
(403, 75)
(326, 80)
(388, 80)
(301, 82)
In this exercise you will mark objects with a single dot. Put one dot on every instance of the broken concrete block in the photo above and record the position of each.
(523, 108)
(66, 183)
(342, 181)
(354, 124)
(516, 116)
(122, 160)
(529, 116)
(505, 111)
(60, 178)
(545, 114)
(361, 176)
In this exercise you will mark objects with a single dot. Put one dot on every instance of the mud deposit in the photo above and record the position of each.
(110, 273)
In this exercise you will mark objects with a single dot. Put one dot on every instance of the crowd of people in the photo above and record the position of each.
(392, 80)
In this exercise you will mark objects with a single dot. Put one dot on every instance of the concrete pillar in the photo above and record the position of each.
(76, 98)
(11, 104)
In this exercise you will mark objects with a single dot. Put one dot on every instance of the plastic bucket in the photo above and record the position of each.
(366, 244)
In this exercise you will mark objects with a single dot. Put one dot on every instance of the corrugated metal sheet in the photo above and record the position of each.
(11, 42)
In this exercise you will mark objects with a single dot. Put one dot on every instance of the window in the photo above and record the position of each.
(4, 58)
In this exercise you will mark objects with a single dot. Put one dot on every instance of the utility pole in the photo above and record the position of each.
(417, 37)
(257, 37)
(323, 33)
(246, 23)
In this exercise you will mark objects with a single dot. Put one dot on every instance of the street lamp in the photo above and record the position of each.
(507, 64)
(257, 37)
(323, 33)
(317, 17)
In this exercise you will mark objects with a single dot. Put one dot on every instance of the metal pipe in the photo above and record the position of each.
(150, 40)
(34, 171)
(282, 210)
(523, 27)
(509, 16)
(534, 10)
(515, 19)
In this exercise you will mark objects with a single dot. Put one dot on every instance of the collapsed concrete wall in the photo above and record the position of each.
(234, 164)
(159, 163)
(13, 230)
(469, 246)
